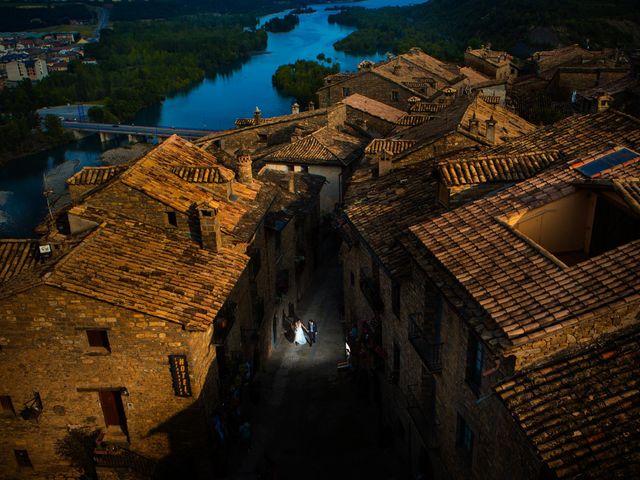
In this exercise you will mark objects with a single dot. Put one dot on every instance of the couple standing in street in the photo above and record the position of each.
(299, 330)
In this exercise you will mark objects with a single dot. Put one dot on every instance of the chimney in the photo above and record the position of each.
(257, 116)
(210, 236)
(312, 106)
(245, 172)
(473, 124)
(449, 95)
(385, 164)
(491, 129)
(295, 108)
(292, 183)
(396, 69)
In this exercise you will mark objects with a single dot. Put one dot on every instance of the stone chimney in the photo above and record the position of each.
(491, 129)
(473, 124)
(245, 172)
(312, 106)
(257, 116)
(385, 163)
(449, 95)
(396, 69)
(603, 102)
(292, 183)
(295, 108)
(210, 236)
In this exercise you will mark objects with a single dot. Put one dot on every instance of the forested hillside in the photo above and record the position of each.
(446, 27)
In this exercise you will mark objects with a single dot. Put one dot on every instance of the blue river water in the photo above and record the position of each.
(212, 104)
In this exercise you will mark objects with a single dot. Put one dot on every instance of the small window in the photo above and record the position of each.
(353, 279)
(464, 439)
(291, 168)
(99, 339)
(22, 457)
(7, 405)
(475, 357)
(346, 91)
(172, 219)
(395, 95)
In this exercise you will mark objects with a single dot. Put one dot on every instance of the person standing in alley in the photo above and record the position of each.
(313, 332)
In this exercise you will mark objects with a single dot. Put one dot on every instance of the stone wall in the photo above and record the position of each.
(445, 144)
(372, 86)
(45, 349)
(374, 125)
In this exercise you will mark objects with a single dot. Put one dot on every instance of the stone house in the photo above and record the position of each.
(114, 332)
(328, 152)
(589, 433)
(200, 294)
(495, 64)
(526, 298)
(421, 329)
(394, 81)
(435, 129)
(376, 118)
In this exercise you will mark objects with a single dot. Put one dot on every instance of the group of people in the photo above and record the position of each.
(301, 332)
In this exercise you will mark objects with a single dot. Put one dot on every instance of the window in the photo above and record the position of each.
(475, 357)
(395, 95)
(395, 298)
(346, 91)
(22, 457)
(7, 405)
(98, 340)
(353, 279)
(172, 219)
(464, 439)
(291, 168)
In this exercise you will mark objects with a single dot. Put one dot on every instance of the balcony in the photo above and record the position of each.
(429, 352)
(422, 413)
(371, 291)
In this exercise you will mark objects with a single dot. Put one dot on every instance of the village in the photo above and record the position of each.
(475, 277)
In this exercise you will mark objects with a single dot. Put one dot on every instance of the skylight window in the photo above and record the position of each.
(596, 166)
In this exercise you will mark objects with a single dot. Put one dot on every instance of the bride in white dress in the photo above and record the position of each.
(300, 338)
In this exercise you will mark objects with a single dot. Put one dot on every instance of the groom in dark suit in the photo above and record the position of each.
(313, 331)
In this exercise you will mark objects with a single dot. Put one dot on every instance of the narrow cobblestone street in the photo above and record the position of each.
(310, 422)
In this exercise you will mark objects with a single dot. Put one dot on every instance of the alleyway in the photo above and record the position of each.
(310, 422)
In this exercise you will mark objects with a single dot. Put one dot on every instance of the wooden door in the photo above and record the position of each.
(112, 408)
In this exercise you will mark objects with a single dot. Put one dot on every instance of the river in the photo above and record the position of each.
(212, 104)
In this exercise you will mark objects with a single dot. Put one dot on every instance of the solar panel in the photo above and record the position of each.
(607, 162)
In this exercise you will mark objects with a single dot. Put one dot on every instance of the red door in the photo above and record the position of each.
(112, 408)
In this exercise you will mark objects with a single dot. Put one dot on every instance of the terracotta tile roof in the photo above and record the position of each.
(289, 204)
(614, 87)
(373, 107)
(426, 107)
(381, 209)
(152, 174)
(548, 61)
(473, 76)
(630, 190)
(95, 175)
(138, 267)
(523, 292)
(581, 410)
(481, 168)
(206, 174)
(244, 122)
(412, 120)
(496, 58)
(577, 136)
(324, 146)
(508, 124)
(388, 144)
(17, 256)
(491, 99)
(449, 73)
(206, 141)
